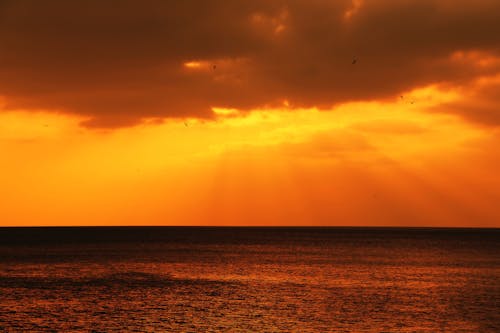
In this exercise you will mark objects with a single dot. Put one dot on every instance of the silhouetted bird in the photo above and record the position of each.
(214, 67)
(185, 124)
(354, 61)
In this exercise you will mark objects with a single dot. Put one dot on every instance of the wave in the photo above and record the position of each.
(131, 279)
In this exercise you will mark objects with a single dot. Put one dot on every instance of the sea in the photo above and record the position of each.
(218, 279)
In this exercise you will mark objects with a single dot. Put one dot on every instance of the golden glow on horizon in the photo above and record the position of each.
(269, 166)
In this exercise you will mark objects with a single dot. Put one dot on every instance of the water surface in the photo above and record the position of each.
(249, 280)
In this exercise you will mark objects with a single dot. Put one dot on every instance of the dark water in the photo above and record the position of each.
(249, 280)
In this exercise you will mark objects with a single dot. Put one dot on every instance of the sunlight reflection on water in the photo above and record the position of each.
(318, 283)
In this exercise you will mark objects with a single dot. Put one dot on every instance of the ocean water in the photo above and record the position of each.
(249, 280)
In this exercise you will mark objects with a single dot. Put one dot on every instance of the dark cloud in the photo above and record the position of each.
(482, 104)
(118, 62)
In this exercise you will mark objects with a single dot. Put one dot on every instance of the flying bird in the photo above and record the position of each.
(214, 67)
(354, 60)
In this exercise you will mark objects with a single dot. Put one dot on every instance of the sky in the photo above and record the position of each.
(214, 112)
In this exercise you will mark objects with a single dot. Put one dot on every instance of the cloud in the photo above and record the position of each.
(119, 62)
(337, 145)
(390, 127)
(481, 103)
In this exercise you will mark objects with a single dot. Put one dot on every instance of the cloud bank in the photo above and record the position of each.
(119, 62)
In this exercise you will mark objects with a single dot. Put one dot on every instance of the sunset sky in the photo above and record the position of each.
(250, 112)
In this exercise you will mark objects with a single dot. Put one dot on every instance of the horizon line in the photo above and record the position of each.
(247, 227)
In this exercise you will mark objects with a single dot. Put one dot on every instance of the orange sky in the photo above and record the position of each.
(140, 116)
